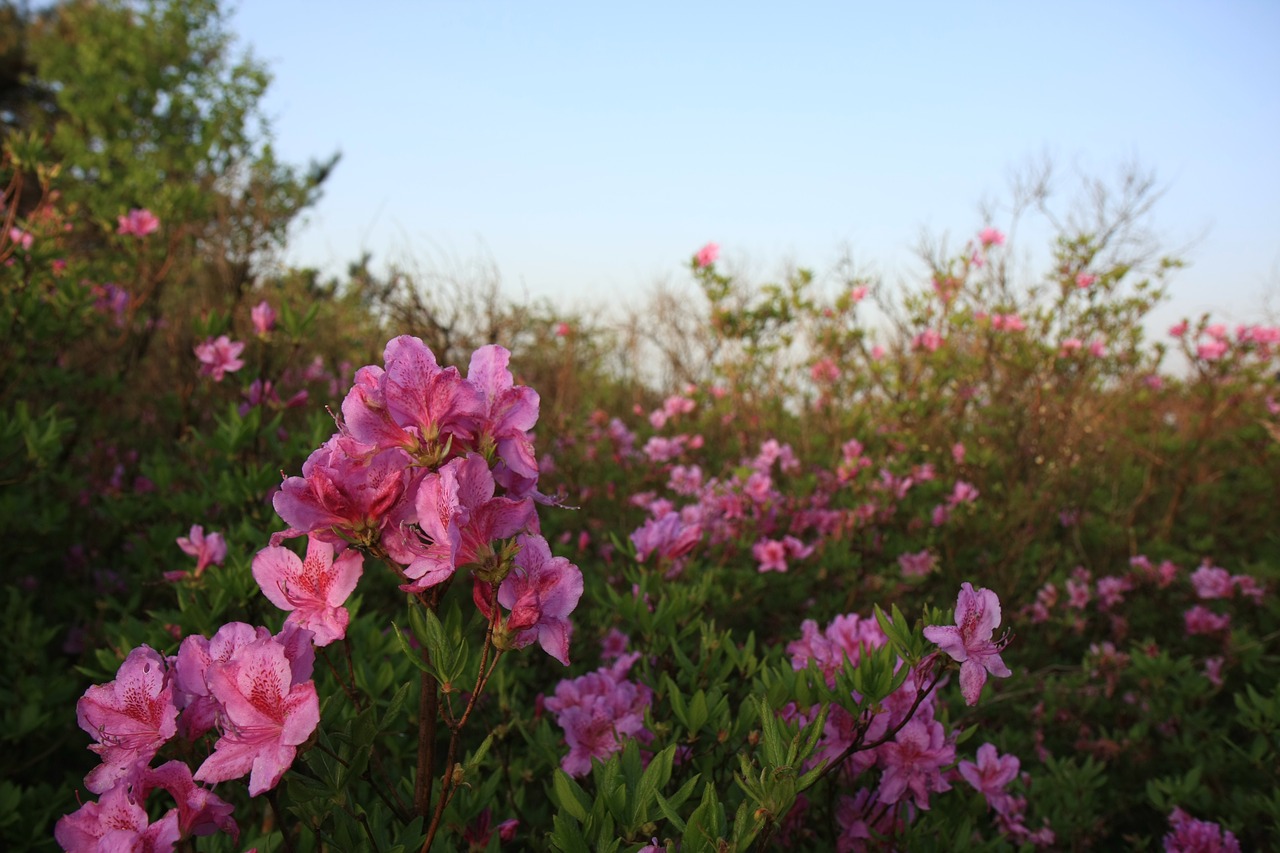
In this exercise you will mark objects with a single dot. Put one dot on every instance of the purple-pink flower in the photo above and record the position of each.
(970, 640)
(117, 822)
(219, 356)
(990, 237)
(314, 589)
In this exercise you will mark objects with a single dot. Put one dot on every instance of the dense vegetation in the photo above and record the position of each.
(811, 564)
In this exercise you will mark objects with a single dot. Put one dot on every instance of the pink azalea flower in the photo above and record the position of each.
(1069, 346)
(1085, 280)
(1212, 582)
(508, 410)
(458, 512)
(963, 493)
(970, 641)
(913, 762)
(1098, 348)
(200, 811)
(1189, 835)
(598, 712)
(266, 716)
(264, 318)
(824, 370)
(1212, 350)
(343, 496)
(541, 591)
(139, 222)
(858, 293)
(668, 537)
(707, 255)
(199, 711)
(130, 717)
(563, 330)
(991, 775)
(990, 237)
(928, 340)
(771, 554)
(916, 565)
(314, 589)
(20, 238)
(117, 822)
(1199, 620)
(220, 356)
(208, 550)
(414, 403)
(845, 637)
(1178, 329)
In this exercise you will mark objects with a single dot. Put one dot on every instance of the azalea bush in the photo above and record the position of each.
(810, 564)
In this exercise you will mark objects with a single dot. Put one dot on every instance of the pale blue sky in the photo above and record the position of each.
(591, 148)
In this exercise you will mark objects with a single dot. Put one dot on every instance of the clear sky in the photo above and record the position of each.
(591, 148)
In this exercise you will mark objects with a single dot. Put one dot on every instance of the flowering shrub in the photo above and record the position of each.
(964, 567)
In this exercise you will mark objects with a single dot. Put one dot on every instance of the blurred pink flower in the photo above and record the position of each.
(1211, 350)
(208, 550)
(139, 222)
(264, 318)
(21, 238)
(1179, 329)
(929, 340)
(990, 237)
(859, 293)
(220, 356)
(707, 255)
(1084, 280)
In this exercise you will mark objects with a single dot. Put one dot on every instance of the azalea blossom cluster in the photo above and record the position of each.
(599, 711)
(904, 740)
(433, 472)
(254, 688)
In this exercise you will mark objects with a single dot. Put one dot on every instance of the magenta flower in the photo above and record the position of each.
(139, 222)
(314, 589)
(266, 716)
(1085, 280)
(707, 255)
(208, 550)
(130, 717)
(264, 318)
(340, 495)
(435, 403)
(969, 642)
(220, 356)
(541, 591)
(990, 775)
(771, 554)
(116, 822)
